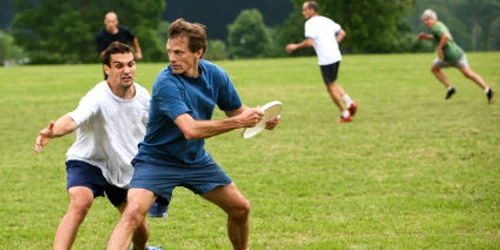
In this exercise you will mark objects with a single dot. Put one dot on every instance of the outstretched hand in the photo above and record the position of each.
(421, 36)
(291, 47)
(270, 125)
(44, 137)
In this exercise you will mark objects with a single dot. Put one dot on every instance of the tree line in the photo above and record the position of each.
(51, 31)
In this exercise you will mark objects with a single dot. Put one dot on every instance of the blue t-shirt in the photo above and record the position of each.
(174, 95)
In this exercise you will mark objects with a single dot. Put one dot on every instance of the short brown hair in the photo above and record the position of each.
(313, 5)
(195, 32)
(115, 48)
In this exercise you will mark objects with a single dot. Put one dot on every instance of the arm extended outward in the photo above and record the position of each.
(61, 127)
(242, 117)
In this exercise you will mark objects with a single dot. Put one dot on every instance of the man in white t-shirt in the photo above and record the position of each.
(110, 121)
(324, 35)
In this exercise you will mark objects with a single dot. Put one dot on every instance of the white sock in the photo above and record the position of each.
(345, 114)
(347, 100)
(486, 90)
(450, 88)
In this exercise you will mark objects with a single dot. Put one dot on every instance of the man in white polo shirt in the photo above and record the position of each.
(110, 121)
(324, 35)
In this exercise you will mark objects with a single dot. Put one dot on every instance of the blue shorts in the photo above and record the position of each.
(81, 173)
(162, 180)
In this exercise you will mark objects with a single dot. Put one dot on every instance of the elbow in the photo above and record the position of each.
(190, 134)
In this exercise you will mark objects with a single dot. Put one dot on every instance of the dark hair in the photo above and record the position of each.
(115, 48)
(313, 5)
(195, 33)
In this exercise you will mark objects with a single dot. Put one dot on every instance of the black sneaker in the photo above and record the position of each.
(489, 95)
(450, 92)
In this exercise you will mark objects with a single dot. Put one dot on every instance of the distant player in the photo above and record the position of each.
(109, 122)
(173, 152)
(324, 35)
(449, 55)
(115, 33)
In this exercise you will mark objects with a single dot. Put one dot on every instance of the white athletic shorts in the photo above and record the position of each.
(462, 62)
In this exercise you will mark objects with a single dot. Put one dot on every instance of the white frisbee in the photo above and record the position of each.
(271, 111)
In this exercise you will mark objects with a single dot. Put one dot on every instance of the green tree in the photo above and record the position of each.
(371, 26)
(51, 31)
(248, 35)
(8, 50)
(216, 50)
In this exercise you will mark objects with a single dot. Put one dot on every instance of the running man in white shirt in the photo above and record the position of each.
(110, 121)
(325, 35)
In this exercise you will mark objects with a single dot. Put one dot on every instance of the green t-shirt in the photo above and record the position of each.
(451, 51)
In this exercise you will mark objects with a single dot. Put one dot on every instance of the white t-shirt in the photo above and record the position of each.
(323, 30)
(109, 131)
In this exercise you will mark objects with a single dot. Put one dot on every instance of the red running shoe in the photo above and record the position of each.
(352, 109)
(344, 119)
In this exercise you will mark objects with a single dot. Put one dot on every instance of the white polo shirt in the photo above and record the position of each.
(109, 130)
(323, 30)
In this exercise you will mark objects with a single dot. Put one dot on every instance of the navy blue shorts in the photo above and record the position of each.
(162, 180)
(83, 174)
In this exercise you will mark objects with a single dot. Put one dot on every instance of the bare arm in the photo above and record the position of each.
(308, 42)
(442, 43)
(340, 36)
(61, 127)
(424, 36)
(242, 117)
(137, 47)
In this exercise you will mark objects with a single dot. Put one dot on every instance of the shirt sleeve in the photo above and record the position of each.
(336, 28)
(130, 34)
(170, 98)
(87, 108)
(100, 44)
(310, 32)
(228, 98)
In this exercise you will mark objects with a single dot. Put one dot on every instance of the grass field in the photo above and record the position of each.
(412, 171)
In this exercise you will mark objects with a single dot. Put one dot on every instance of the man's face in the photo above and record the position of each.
(306, 11)
(429, 22)
(122, 70)
(111, 22)
(181, 58)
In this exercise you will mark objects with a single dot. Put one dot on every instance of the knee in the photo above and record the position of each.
(242, 210)
(133, 216)
(79, 207)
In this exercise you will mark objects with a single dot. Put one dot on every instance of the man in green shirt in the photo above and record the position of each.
(449, 55)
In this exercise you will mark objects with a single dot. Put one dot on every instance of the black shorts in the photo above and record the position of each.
(330, 72)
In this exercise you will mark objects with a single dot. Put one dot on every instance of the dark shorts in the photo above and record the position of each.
(83, 174)
(162, 180)
(330, 72)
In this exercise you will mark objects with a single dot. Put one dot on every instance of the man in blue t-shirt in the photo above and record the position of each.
(172, 153)
(115, 33)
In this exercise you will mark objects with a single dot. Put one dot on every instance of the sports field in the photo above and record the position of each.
(412, 171)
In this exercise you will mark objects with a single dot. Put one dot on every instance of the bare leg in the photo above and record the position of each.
(237, 209)
(141, 236)
(81, 199)
(336, 92)
(440, 76)
(138, 203)
(474, 77)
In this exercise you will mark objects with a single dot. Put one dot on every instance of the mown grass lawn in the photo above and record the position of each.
(412, 171)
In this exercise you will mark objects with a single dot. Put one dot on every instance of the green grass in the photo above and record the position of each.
(411, 172)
